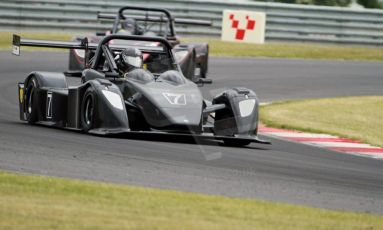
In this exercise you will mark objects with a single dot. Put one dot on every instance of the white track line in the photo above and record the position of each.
(294, 134)
(340, 144)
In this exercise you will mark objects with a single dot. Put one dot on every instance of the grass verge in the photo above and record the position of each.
(292, 50)
(220, 48)
(37, 202)
(358, 118)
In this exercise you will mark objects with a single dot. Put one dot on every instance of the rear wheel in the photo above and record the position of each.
(192, 67)
(31, 102)
(88, 109)
(204, 65)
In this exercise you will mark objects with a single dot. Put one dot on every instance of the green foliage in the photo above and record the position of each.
(325, 2)
(370, 3)
(315, 2)
(343, 2)
(365, 3)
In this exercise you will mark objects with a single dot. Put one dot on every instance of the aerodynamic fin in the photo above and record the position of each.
(18, 41)
(83, 44)
(16, 45)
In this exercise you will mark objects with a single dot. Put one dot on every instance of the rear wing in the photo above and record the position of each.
(16, 45)
(17, 42)
(183, 21)
(83, 44)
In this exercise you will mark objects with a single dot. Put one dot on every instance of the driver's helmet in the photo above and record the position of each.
(130, 59)
(129, 25)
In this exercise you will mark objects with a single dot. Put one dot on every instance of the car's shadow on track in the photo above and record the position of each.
(148, 137)
(174, 138)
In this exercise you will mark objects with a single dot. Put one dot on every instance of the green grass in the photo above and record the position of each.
(359, 118)
(220, 48)
(37, 202)
(292, 50)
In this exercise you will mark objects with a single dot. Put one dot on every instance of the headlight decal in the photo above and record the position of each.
(246, 107)
(114, 99)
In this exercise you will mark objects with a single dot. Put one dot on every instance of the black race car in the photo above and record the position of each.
(144, 21)
(156, 99)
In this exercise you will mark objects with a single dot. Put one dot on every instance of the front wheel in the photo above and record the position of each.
(88, 109)
(31, 102)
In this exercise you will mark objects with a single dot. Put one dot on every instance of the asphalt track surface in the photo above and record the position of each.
(283, 172)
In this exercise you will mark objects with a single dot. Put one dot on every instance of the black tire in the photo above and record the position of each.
(236, 143)
(31, 100)
(88, 109)
(191, 67)
(204, 65)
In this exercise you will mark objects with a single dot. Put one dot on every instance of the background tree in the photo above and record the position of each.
(370, 3)
(344, 3)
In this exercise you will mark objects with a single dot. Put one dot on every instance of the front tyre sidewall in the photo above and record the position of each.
(88, 110)
(31, 101)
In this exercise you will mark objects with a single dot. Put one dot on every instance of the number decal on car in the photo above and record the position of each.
(49, 105)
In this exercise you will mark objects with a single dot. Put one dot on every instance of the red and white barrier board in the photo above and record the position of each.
(243, 26)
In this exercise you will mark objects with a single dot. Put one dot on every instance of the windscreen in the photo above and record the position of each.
(158, 63)
(156, 58)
